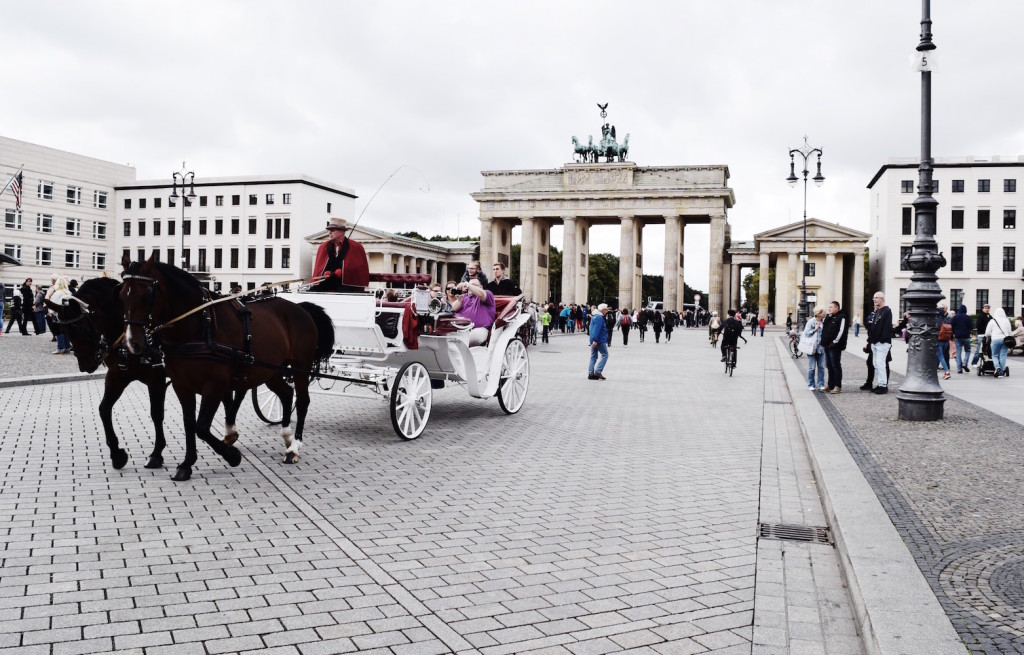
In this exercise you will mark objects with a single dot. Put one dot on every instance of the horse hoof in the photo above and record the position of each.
(232, 456)
(183, 474)
(291, 458)
(119, 458)
(230, 438)
(155, 462)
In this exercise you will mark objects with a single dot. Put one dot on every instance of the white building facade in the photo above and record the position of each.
(977, 230)
(65, 225)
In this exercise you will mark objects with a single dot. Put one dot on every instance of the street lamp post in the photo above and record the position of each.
(182, 178)
(920, 397)
(803, 311)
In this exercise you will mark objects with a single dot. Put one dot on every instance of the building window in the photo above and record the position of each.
(286, 257)
(1009, 219)
(983, 219)
(99, 231)
(249, 286)
(982, 258)
(328, 208)
(908, 220)
(252, 226)
(984, 186)
(808, 270)
(142, 254)
(44, 223)
(956, 297)
(270, 199)
(234, 258)
(904, 254)
(219, 201)
(252, 258)
(170, 256)
(1008, 302)
(252, 198)
(236, 200)
(156, 227)
(956, 258)
(903, 302)
(13, 250)
(142, 203)
(156, 254)
(1010, 186)
(1009, 259)
(127, 203)
(157, 202)
(186, 258)
(12, 219)
(142, 228)
(957, 186)
(126, 254)
(958, 219)
(171, 202)
(202, 260)
(234, 226)
(188, 202)
(73, 227)
(44, 256)
(270, 228)
(72, 259)
(935, 186)
(286, 198)
(277, 228)
(45, 191)
(202, 226)
(268, 258)
(287, 228)
(99, 199)
(186, 227)
(127, 229)
(170, 229)
(907, 186)
(218, 226)
(202, 201)
(218, 257)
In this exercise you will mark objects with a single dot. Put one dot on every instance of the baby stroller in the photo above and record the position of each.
(986, 365)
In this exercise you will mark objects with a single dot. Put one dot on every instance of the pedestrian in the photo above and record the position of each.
(789, 322)
(641, 321)
(17, 316)
(56, 295)
(624, 324)
(39, 306)
(880, 339)
(816, 358)
(670, 322)
(833, 339)
(761, 322)
(998, 330)
(545, 322)
(942, 341)
(983, 318)
(962, 325)
(3, 300)
(856, 325)
(657, 322)
(26, 305)
(563, 318)
(598, 344)
(753, 324)
(609, 323)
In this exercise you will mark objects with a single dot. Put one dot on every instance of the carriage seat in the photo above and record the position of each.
(401, 278)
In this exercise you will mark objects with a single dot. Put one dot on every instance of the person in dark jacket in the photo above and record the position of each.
(833, 340)
(501, 285)
(880, 339)
(962, 326)
(983, 318)
(598, 344)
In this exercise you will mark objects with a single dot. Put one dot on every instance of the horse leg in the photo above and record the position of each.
(231, 405)
(207, 410)
(284, 392)
(157, 396)
(301, 405)
(112, 391)
(187, 399)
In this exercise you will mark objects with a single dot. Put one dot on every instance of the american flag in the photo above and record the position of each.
(16, 190)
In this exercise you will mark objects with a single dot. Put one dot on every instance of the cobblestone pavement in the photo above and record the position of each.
(953, 491)
(31, 356)
(616, 516)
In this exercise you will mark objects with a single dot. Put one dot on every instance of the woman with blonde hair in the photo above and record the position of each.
(815, 359)
(56, 294)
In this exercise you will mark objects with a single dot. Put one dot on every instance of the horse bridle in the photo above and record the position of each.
(153, 285)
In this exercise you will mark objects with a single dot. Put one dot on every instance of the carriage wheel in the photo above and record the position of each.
(514, 379)
(410, 400)
(267, 405)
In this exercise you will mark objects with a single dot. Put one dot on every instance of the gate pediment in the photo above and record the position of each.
(816, 229)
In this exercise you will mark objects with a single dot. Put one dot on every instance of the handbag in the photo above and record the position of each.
(945, 332)
(808, 344)
(1009, 342)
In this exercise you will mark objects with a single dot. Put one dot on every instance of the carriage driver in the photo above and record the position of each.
(340, 261)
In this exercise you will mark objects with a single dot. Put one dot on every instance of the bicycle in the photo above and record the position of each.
(714, 338)
(730, 357)
(794, 345)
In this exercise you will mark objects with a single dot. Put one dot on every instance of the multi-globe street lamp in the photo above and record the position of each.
(806, 152)
(183, 178)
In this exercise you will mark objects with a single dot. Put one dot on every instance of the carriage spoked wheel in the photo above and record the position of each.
(410, 400)
(267, 405)
(514, 379)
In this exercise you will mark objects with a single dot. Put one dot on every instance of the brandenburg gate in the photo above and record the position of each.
(581, 195)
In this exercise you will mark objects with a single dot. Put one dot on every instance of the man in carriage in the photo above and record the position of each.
(341, 263)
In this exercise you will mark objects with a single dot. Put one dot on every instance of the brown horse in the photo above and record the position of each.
(212, 346)
(93, 321)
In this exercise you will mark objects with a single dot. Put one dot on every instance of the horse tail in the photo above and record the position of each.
(324, 333)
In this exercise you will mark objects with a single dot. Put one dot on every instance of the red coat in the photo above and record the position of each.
(355, 269)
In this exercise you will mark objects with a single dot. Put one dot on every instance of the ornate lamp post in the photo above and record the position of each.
(803, 311)
(182, 178)
(920, 397)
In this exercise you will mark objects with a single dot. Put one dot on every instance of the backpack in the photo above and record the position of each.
(732, 328)
(625, 320)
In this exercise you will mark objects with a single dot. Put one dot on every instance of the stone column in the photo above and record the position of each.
(671, 294)
(569, 260)
(858, 287)
(734, 289)
(828, 285)
(762, 285)
(486, 239)
(582, 281)
(528, 258)
(420, 263)
(627, 259)
(680, 273)
(442, 279)
(638, 269)
(793, 288)
(716, 256)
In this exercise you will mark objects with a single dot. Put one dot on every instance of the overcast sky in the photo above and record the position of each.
(350, 91)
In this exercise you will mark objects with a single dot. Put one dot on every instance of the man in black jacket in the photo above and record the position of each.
(833, 340)
(501, 285)
(983, 318)
(880, 339)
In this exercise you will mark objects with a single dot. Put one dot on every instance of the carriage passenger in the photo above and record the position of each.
(340, 262)
(475, 304)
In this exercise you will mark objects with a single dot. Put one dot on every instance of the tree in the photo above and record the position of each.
(751, 285)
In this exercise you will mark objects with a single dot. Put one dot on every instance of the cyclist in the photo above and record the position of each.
(713, 326)
(731, 330)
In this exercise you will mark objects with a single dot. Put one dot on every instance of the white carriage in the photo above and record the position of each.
(392, 344)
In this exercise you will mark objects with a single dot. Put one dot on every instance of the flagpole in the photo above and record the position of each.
(7, 186)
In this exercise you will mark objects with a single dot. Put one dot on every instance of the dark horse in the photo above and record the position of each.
(223, 346)
(93, 321)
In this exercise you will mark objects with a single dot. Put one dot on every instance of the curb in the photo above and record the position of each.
(896, 610)
(50, 379)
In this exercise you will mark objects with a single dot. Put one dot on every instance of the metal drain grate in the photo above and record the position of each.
(811, 534)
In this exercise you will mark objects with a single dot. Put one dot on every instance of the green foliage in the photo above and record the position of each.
(751, 283)
(603, 280)
(413, 234)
